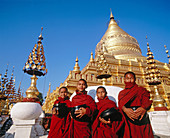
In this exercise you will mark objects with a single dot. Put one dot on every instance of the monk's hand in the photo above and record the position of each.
(140, 112)
(104, 121)
(55, 112)
(130, 113)
(80, 112)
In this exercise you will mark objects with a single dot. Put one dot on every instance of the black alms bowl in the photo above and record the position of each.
(84, 118)
(111, 113)
(62, 109)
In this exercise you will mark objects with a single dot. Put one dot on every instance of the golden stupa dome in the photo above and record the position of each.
(118, 43)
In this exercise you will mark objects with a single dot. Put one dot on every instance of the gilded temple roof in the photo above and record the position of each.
(118, 43)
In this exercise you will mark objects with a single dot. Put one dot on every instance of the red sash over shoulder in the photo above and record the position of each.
(138, 94)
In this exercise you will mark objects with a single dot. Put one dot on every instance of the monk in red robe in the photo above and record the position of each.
(134, 103)
(102, 128)
(79, 125)
(58, 121)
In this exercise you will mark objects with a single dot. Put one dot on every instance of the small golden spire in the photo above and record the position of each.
(77, 59)
(12, 71)
(111, 15)
(40, 37)
(6, 71)
(41, 30)
(167, 52)
(3, 83)
(91, 57)
(147, 44)
(76, 67)
(153, 77)
(153, 74)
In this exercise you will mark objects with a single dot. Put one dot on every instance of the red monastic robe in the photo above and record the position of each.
(58, 124)
(101, 130)
(77, 129)
(135, 96)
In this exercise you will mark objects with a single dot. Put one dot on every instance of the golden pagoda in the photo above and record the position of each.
(121, 53)
(8, 94)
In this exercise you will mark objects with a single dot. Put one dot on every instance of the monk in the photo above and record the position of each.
(134, 103)
(79, 127)
(101, 127)
(58, 123)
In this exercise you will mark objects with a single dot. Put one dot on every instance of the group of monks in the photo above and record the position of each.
(133, 103)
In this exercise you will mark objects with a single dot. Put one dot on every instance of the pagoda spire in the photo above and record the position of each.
(76, 67)
(91, 57)
(153, 78)
(35, 66)
(40, 37)
(111, 15)
(11, 92)
(167, 52)
(153, 74)
(4, 82)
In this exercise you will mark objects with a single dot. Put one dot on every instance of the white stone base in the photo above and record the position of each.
(45, 136)
(26, 118)
(160, 121)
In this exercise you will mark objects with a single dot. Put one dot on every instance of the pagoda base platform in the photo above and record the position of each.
(160, 121)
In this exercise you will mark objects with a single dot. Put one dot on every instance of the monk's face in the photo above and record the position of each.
(81, 86)
(101, 93)
(63, 93)
(129, 78)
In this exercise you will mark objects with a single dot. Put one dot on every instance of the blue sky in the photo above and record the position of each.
(73, 28)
